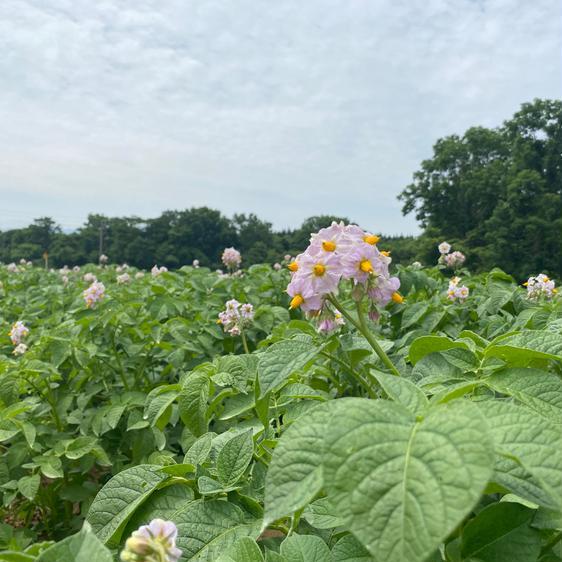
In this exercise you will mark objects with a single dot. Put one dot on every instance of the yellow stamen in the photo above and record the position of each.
(371, 239)
(296, 301)
(385, 253)
(366, 266)
(293, 266)
(525, 284)
(319, 269)
(328, 246)
(398, 298)
(219, 321)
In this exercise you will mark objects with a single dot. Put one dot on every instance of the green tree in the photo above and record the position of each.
(498, 192)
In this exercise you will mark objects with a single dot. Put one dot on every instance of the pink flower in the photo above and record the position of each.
(454, 260)
(236, 316)
(303, 294)
(456, 292)
(231, 258)
(322, 270)
(360, 263)
(18, 332)
(94, 294)
(540, 286)
(382, 289)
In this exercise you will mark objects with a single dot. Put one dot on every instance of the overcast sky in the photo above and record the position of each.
(285, 108)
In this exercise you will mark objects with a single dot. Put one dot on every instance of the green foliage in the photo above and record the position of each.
(496, 193)
(307, 448)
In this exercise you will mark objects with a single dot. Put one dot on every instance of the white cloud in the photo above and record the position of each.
(286, 109)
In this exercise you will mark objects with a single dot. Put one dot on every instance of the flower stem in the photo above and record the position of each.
(244, 342)
(361, 325)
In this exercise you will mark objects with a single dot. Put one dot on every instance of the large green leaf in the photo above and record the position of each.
(403, 484)
(531, 445)
(207, 528)
(501, 533)
(82, 547)
(281, 360)
(234, 457)
(538, 389)
(295, 473)
(305, 548)
(193, 402)
(522, 348)
(120, 497)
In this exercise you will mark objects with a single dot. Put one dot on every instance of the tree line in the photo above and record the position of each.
(173, 239)
(494, 193)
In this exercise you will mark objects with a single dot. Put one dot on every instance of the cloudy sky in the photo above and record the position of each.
(285, 108)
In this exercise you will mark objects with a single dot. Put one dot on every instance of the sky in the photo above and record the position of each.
(286, 108)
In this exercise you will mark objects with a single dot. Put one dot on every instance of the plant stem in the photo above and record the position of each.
(244, 342)
(361, 325)
(352, 372)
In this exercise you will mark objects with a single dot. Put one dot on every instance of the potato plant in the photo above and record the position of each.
(429, 429)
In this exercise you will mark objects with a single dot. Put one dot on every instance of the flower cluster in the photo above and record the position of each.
(123, 279)
(94, 294)
(539, 286)
(18, 332)
(453, 260)
(156, 271)
(195, 264)
(456, 292)
(155, 542)
(90, 277)
(231, 258)
(139, 274)
(12, 267)
(235, 317)
(341, 252)
(103, 259)
(20, 349)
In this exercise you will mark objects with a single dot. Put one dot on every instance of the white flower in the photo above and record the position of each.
(20, 349)
(123, 279)
(155, 542)
(139, 274)
(444, 248)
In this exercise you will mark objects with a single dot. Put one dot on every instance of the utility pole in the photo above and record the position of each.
(101, 240)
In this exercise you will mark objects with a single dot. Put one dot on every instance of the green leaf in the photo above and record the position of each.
(402, 391)
(244, 549)
(198, 453)
(193, 402)
(295, 473)
(82, 547)
(402, 484)
(162, 504)
(207, 528)
(321, 515)
(413, 313)
(538, 389)
(501, 533)
(305, 548)
(349, 549)
(532, 447)
(281, 360)
(13, 556)
(50, 466)
(520, 349)
(158, 401)
(429, 344)
(80, 446)
(28, 486)
(120, 498)
(234, 457)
